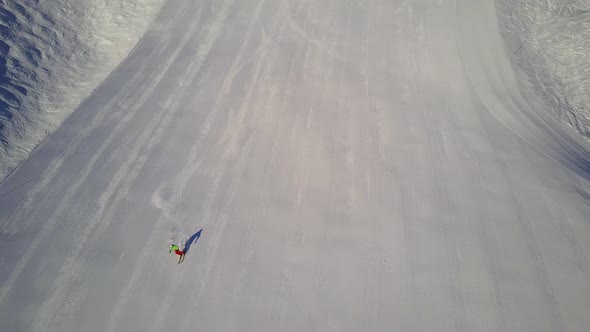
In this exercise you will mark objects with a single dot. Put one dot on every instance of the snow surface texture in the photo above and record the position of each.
(52, 55)
(549, 42)
(334, 165)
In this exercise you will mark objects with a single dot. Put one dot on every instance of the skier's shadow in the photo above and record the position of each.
(192, 240)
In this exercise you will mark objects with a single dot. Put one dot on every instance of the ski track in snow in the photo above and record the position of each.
(352, 165)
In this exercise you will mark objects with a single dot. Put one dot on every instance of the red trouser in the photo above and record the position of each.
(179, 252)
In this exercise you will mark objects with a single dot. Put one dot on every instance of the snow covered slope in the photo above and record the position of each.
(52, 55)
(549, 43)
(350, 165)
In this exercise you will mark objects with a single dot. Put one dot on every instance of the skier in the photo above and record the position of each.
(179, 252)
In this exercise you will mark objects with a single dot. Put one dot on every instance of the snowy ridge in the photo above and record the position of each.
(52, 55)
(548, 42)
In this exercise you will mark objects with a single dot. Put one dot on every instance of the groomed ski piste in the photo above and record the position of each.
(326, 165)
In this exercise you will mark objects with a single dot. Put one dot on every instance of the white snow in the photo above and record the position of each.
(52, 55)
(351, 166)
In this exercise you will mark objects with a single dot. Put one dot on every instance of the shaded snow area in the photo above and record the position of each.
(52, 55)
(549, 43)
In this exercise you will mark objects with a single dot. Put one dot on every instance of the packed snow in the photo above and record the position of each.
(53, 54)
(336, 165)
